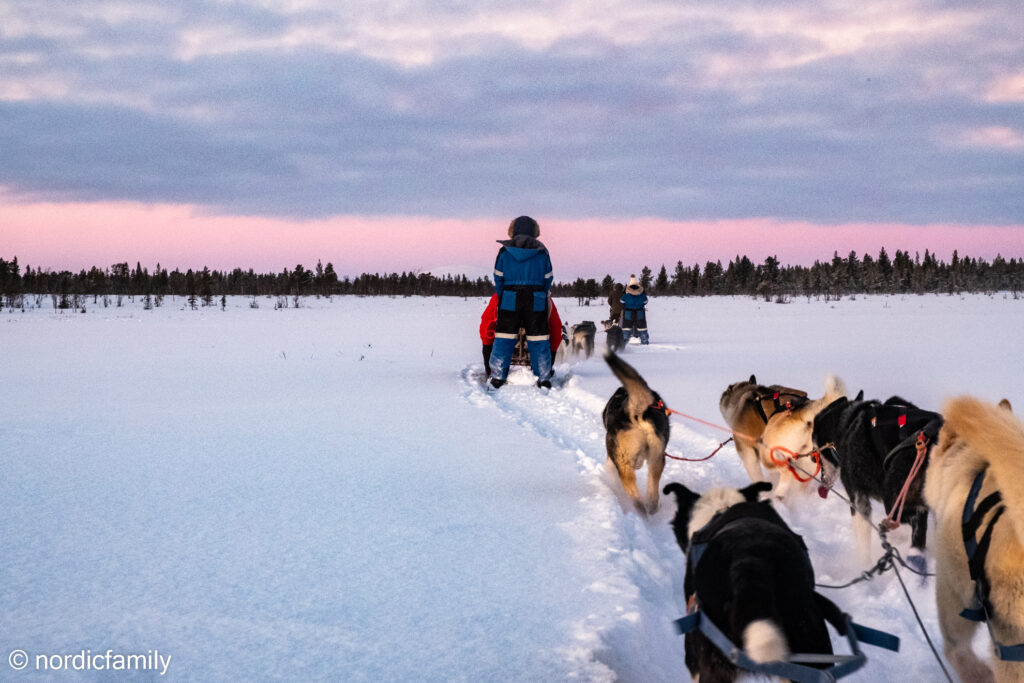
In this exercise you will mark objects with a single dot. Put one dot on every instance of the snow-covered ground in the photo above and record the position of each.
(329, 493)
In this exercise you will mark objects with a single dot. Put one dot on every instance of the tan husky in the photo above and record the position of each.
(746, 407)
(637, 431)
(792, 430)
(979, 437)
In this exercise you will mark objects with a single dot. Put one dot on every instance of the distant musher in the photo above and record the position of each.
(634, 312)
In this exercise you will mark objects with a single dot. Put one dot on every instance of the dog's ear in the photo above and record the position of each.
(751, 492)
(685, 498)
(1005, 405)
(860, 395)
(753, 380)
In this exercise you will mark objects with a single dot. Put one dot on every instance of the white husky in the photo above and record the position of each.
(791, 430)
(979, 437)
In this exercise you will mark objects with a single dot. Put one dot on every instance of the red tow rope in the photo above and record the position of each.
(660, 405)
(706, 457)
(893, 519)
(790, 457)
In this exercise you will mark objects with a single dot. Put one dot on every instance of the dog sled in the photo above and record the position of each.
(521, 354)
(799, 667)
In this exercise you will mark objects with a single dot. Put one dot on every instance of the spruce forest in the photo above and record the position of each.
(833, 279)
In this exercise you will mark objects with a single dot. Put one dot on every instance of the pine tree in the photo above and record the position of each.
(661, 283)
(645, 278)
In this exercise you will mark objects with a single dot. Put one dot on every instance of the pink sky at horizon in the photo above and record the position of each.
(75, 236)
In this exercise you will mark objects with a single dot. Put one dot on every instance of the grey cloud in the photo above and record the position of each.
(586, 127)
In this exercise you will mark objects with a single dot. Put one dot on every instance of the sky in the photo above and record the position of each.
(385, 136)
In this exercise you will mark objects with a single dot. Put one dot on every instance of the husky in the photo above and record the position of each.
(747, 407)
(637, 431)
(979, 444)
(751, 576)
(583, 338)
(563, 347)
(613, 335)
(790, 431)
(874, 445)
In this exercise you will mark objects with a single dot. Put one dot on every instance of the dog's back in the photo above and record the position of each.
(977, 435)
(759, 568)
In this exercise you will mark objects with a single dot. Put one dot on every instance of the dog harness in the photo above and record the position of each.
(977, 551)
(796, 666)
(896, 423)
(780, 401)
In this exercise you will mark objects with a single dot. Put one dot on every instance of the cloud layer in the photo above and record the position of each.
(712, 110)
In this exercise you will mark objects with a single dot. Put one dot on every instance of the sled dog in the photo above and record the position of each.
(791, 430)
(613, 335)
(750, 574)
(874, 446)
(747, 407)
(583, 338)
(977, 438)
(637, 431)
(563, 347)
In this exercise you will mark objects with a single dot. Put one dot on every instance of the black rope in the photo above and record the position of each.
(921, 624)
(890, 551)
(884, 564)
(818, 479)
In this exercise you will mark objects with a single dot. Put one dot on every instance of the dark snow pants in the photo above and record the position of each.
(634, 322)
(525, 307)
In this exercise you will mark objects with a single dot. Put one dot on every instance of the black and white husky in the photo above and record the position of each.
(874, 447)
(750, 575)
(613, 335)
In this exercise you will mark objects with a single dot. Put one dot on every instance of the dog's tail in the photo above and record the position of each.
(834, 388)
(763, 641)
(640, 395)
(754, 611)
(995, 437)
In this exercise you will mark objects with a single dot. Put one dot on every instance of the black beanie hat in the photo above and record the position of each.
(524, 225)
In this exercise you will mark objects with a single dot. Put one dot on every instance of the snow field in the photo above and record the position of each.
(329, 493)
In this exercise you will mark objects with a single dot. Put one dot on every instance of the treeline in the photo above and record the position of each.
(901, 274)
(120, 280)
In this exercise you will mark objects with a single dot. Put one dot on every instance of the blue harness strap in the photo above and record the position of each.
(842, 665)
(977, 550)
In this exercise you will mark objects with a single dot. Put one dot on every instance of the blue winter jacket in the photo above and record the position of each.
(634, 301)
(522, 261)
